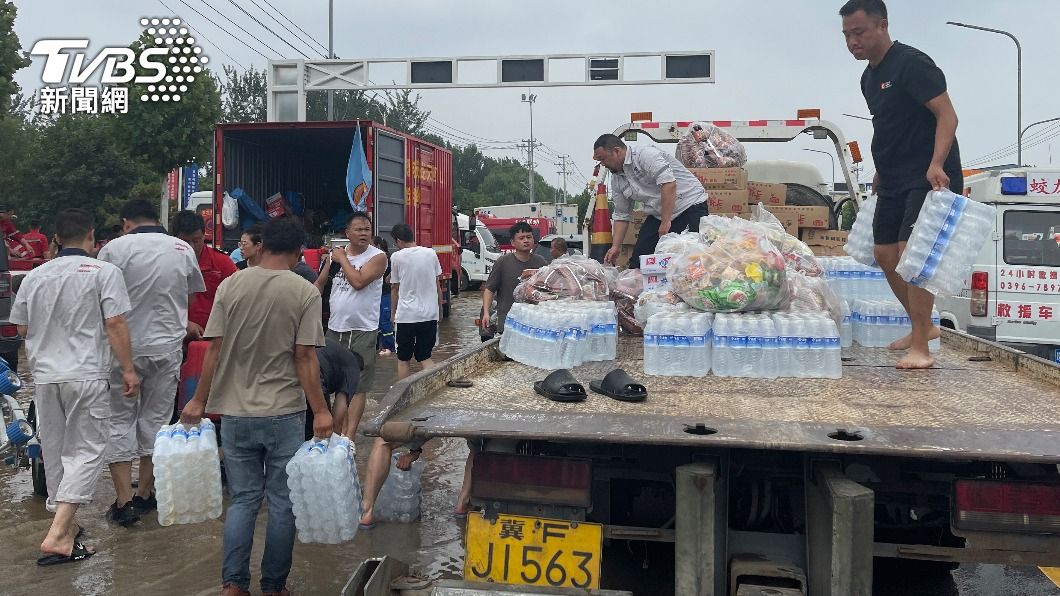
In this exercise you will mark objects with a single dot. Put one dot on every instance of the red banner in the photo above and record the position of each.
(173, 185)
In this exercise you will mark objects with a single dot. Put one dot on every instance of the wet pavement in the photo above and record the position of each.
(185, 559)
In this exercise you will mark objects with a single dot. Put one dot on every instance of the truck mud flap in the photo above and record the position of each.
(839, 523)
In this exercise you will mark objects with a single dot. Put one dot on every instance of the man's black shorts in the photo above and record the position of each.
(649, 231)
(897, 212)
(416, 339)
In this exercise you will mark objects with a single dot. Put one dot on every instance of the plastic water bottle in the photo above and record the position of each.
(946, 239)
(325, 492)
(720, 349)
(400, 497)
(652, 361)
(860, 242)
(187, 474)
(935, 345)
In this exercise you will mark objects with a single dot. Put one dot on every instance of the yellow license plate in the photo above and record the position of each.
(515, 549)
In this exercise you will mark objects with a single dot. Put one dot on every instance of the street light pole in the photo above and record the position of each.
(530, 99)
(1028, 127)
(1019, 81)
(833, 166)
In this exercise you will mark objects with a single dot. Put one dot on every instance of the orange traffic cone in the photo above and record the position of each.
(601, 223)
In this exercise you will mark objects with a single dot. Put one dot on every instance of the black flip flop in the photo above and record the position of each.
(79, 553)
(560, 386)
(617, 384)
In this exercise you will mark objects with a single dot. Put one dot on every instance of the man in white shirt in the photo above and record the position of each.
(415, 298)
(353, 275)
(161, 273)
(71, 312)
(673, 198)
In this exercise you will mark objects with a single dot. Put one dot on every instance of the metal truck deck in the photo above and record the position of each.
(981, 401)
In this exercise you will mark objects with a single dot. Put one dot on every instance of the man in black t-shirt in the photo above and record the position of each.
(340, 374)
(507, 272)
(914, 148)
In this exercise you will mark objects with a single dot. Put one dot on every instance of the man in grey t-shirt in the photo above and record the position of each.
(507, 272)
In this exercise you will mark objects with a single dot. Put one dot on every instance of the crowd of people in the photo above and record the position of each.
(292, 352)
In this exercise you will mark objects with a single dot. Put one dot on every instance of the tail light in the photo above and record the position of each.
(531, 479)
(1006, 506)
(8, 331)
(980, 293)
(5, 285)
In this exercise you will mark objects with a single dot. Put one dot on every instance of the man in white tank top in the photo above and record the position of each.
(354, 277)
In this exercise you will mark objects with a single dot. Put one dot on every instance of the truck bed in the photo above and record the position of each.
(981, 401)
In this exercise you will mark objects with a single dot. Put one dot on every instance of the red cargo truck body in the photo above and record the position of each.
(411, 178)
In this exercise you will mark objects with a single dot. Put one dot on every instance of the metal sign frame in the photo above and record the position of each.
(290, 80)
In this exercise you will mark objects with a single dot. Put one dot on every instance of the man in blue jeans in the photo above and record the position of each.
(260, 370)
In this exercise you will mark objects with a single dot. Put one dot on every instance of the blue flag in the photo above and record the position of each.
(358, 175)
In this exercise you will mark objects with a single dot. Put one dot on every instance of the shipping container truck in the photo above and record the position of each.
(412, 180)
(750, 486)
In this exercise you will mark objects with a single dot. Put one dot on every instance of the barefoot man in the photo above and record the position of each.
(915, 150)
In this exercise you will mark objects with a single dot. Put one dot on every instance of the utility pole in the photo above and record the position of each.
(530, 99)
(331, 54)
(563, 172)
(529, 145)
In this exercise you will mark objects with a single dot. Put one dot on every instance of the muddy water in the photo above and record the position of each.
(187, 559)
(152, 559)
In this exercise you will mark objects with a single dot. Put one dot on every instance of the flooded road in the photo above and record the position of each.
(185, 559)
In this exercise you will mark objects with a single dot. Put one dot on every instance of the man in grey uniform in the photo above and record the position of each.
(71, 312)
(673, 198)
(161, 273)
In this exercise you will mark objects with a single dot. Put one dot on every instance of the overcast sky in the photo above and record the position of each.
(772, 57)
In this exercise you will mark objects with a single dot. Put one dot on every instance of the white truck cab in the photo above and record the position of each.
(1012, 295)
(480, 252)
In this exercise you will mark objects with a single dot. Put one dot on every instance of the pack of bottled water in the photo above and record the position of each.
(852, 280)
(946, 239)
(745, 345)
(877, 323)
(325, 492)
(860, 243)
(399, 499)
(187, 473)
(678, 344)
(561, 333)
(809, 345)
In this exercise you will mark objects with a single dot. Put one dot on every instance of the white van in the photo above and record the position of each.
(480, 252)
(1013, 293)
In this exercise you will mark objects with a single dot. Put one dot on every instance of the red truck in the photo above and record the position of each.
(498, 226)
(412, 179)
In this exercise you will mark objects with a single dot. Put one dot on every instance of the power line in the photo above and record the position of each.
(197, 11)
(254, 2)
(264, 26)
(1031, 141)
(286, 18)
(203, 35)
(249, 34)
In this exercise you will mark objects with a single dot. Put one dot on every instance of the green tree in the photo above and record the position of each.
(12, 58)
(76, 163)
(469, 167)
(243, 95)
(16, 139)
(167, 134)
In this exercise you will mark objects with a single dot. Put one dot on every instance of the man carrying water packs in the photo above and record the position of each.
(71, 311)
(507, 272)
(915, 150)
(259, 371)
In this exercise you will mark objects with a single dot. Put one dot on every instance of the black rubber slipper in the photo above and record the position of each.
(79, 553)
(617, 384)
(560, 386)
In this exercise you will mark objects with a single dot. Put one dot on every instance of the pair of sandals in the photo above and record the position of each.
(561, 386)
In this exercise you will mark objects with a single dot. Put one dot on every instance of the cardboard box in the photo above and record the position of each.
(656, 263)
(767, 193)
(826, 243)
(727, 201)
(721, 178)
(805, 217)
(653, 281)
